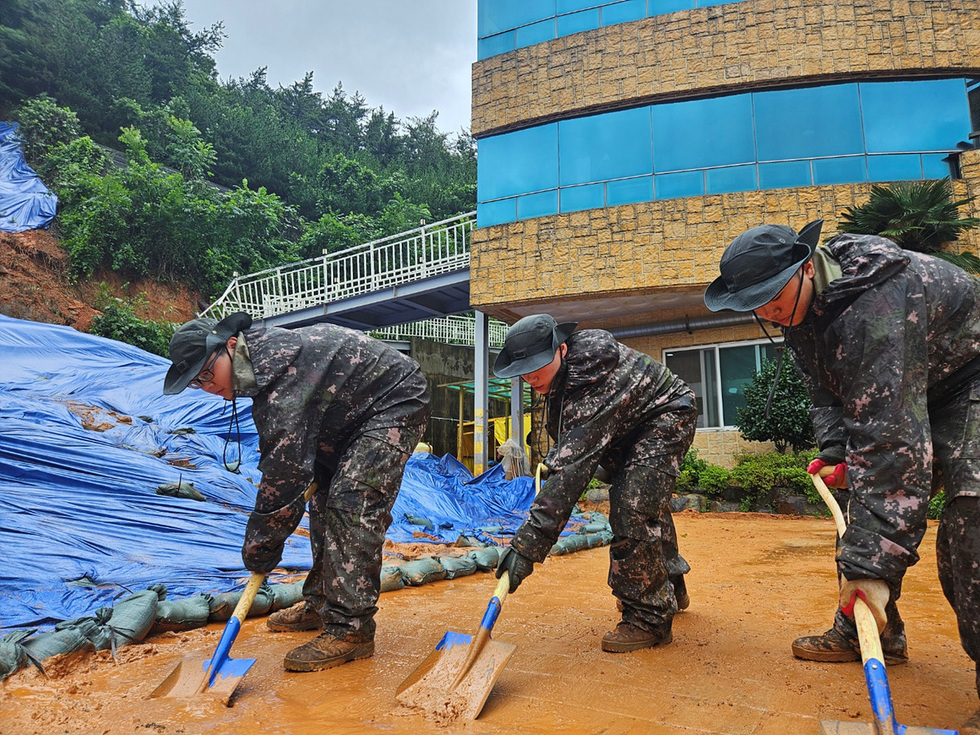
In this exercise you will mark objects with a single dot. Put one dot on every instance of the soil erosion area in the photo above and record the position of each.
(757, 582)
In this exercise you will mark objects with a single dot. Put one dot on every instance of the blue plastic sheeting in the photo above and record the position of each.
(86, 437)
(25, 202)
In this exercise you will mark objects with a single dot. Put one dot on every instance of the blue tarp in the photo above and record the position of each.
(25, 202)
(87, 437)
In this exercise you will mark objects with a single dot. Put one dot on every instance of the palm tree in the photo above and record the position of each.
(919, 216)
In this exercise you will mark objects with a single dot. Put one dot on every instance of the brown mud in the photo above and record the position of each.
(757, 582)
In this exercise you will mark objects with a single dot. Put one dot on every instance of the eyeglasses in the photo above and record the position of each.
(207, 374)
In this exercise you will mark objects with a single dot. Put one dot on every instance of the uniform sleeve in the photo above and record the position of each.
(287, 448)
(882, 362)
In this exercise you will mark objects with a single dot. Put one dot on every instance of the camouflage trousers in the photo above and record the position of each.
(643, 555)
(956, 447)
(349, 515)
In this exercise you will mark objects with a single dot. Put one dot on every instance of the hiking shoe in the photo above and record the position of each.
(834, 647)
(301, 616)
(326, 651)
(971, 726)
(628, 638)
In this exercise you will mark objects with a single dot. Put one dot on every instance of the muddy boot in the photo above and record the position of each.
(628, 638)
(971, 726)
(326, 651)
(834, 647)
(680, 592)
(301, 616)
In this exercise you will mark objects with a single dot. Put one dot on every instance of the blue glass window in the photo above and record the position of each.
(849, 170)
(600, 147)
(499, 44)
(662, 7)
(807, 123)
(537, 205)
(536, 33)
(624, 12)
(585, 20)
(577, 198)
(730, 178)
(926, 115)
(784, 174)
(702, 133)
(686, 184)
(894, 168)
(630, 191)
(496, 213)
(570, 6)
(518, 162)
(495, 16)
(935, 167)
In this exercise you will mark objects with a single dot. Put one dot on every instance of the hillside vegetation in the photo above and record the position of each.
(213, 177)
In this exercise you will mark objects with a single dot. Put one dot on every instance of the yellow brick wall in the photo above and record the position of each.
(647, 247)
(723, 48)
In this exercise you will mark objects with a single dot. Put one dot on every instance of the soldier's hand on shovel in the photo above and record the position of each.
(833, 473)
(515, 564)
(873, 591)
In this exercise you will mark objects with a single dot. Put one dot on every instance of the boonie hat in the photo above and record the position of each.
(758, 263)
(531, 344)
(194, 342)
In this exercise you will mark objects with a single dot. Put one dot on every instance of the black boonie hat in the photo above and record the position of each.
(758, 263)
(194, 342)
(531, 344)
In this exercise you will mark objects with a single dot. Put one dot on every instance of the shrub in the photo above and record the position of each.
(691, 469)
(788, 423)
(758, 474)
(936, 505)
(119, 322)
(714, 480)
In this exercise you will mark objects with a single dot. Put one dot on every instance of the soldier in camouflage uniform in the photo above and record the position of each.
(608, 404)
(333, 406)
(888, 342)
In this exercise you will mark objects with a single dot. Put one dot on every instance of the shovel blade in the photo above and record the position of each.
(190, 679)
(835, 727)
(431, 686)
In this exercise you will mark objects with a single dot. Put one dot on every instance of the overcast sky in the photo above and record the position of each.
(409, 56)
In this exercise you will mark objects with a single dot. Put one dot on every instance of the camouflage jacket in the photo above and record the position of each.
(895, 326)
(315, 388)
(603, 393)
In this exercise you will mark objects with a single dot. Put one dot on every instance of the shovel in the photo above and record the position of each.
(220, 674)
(455, 680)
(873, 660)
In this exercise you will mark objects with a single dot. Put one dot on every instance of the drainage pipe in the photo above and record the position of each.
(683, 325)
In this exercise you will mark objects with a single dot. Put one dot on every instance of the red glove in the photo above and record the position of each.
(835, 476)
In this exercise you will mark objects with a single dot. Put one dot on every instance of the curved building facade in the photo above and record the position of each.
(622, 145)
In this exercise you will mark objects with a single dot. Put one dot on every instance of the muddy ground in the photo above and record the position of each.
(757, 582)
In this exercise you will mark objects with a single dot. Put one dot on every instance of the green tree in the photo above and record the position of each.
(919, 216)
(788, 423)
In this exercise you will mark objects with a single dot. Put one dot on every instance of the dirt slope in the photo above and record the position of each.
(757, 582)
(34, 285)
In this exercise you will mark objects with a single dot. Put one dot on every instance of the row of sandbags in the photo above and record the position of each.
(150, 612)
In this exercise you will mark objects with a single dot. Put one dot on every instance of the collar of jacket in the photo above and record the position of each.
(242, 375)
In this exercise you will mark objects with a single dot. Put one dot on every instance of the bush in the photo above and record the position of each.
(758, 474)
(714, 480)
(936, 505)
(691, 469)
(119, 322)
(788, 424)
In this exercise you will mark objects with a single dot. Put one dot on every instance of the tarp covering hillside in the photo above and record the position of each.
(25, 202)
(86, 440)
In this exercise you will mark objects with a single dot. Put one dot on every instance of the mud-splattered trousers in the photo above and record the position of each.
(335, 406)
(889, 352)
(620, 408)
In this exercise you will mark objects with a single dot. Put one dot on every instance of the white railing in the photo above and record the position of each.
(448, 329)
(430, 250)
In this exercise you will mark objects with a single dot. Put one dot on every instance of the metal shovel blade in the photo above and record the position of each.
(190, 679)
(441, 686)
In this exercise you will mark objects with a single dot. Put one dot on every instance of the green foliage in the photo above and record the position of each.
(919, 216)
(788, 424)
(44, 125)
(936, 505)
(713, 480)
(119, 321)
(758, 474)
(691, 469)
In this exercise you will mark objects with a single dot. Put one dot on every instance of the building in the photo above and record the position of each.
(623, 144)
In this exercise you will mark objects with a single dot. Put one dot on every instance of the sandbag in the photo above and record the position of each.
(457, 566)
(286, 595)
(391, 579)
(485, 557)
(67, 637)
(183, 614)
(422, 571)
(222, 606)
(13, 655)
(180, 489)
(128, 621)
